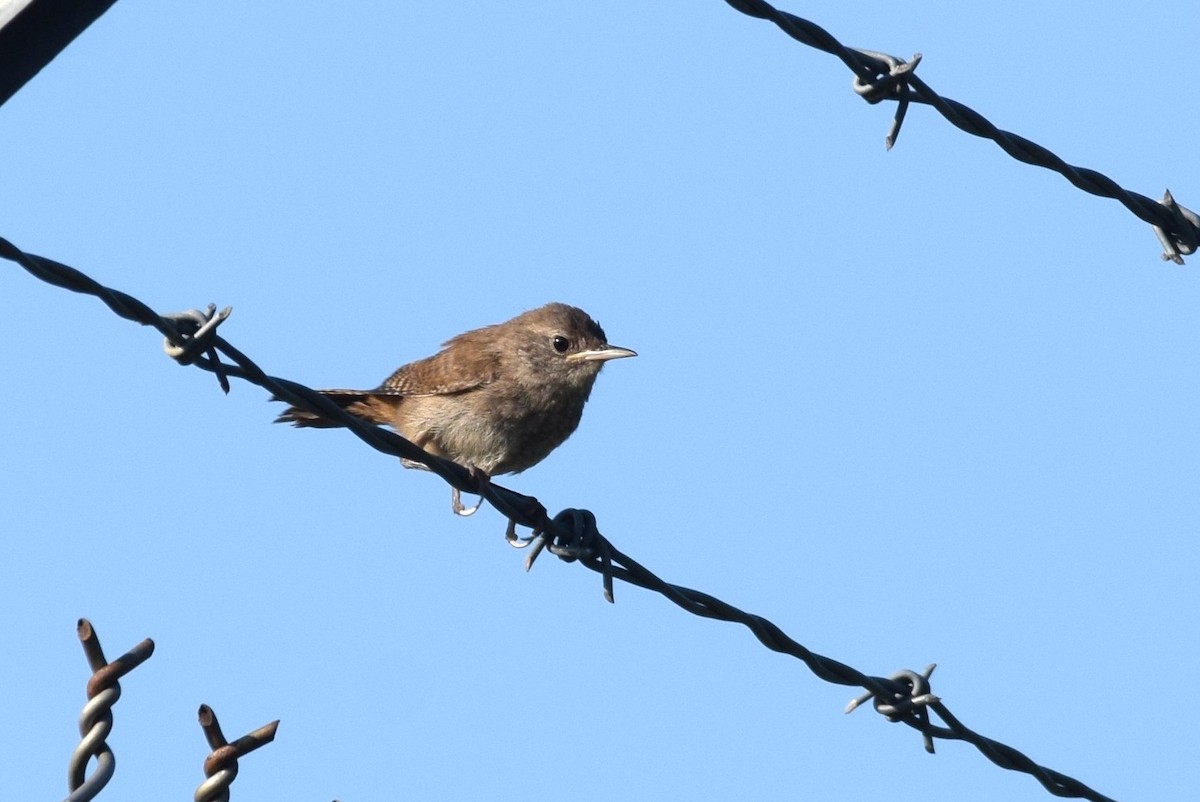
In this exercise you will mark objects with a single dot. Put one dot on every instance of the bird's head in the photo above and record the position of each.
(563, 346)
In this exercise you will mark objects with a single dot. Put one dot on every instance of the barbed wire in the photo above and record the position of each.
(96, 722)
(878, 77)
(221, 766)
(572, 535)
(96, 718)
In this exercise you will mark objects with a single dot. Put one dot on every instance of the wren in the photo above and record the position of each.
(496, 399)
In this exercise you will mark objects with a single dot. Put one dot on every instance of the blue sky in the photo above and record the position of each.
(930, 405)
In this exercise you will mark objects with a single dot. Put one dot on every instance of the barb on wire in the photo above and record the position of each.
(96, 719)
(221, 766)
(196, 328)
(878, 76)
(572, 535)
(905, 697)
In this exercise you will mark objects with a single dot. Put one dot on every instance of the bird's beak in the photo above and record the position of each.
(601, 354)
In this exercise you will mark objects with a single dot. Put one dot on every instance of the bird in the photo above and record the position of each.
(496, 399)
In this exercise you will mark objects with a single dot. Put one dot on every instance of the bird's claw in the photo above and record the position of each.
(458, 507)
(536, 539)
(514, 540)
(482, 478)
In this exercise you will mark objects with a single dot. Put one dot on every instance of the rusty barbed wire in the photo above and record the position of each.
(221, 766)
(878, 77)
(572, 535)
(95, 723)
(96, 719)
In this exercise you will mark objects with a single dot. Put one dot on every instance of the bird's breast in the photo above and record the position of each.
(496, 432)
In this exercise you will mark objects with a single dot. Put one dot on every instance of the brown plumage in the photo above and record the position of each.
(498, 399)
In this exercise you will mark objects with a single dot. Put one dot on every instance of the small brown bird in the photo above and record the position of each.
(496, 399)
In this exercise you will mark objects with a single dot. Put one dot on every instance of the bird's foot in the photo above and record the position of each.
(456, 504)
(458, 507)
(536, 539)
(517, 542)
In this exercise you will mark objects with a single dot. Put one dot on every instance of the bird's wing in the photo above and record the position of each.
(464, 364)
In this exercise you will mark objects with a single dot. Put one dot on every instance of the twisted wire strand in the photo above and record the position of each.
(96, 718)
(95, 725)
(221, 765)
(891, 697)
(879, 76)
(572, 535)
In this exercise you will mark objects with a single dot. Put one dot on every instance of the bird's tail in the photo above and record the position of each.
(362, 403)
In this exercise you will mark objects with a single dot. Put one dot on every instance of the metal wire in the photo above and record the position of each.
(221, 767)
(905, 697)
(878, 76)
(96, 719)
(572, 535)
(95, 723)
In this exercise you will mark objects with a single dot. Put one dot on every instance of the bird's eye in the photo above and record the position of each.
(561, 344)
